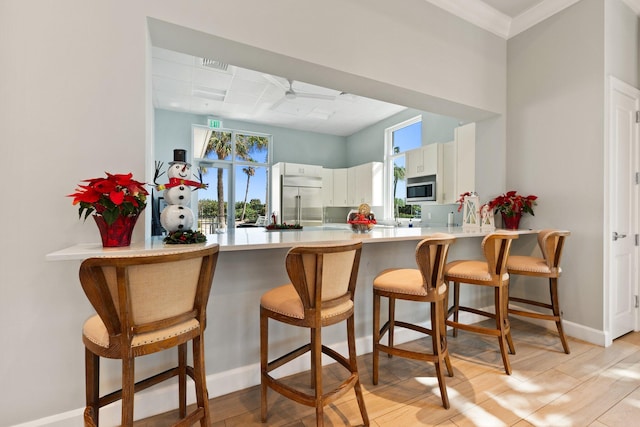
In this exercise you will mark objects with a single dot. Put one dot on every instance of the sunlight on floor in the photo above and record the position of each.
(628, 374)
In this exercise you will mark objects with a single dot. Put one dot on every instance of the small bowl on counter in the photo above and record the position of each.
(361, 220)
(361, 226)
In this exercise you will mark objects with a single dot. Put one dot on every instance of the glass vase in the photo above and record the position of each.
(117, 234)
(511, 222)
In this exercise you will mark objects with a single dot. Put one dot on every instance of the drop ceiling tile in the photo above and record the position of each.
(172, 56)
(165, 84)
(172, 70)
(248, 99)
(211, 78)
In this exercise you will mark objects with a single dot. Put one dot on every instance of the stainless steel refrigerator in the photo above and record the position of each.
(301, 200)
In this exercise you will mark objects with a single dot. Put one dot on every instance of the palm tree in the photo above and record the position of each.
(398, 175)
(220, 144)
(250, 171)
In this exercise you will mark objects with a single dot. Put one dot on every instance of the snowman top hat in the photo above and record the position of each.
(179, 156)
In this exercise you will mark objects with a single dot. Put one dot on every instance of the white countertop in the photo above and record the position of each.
(250, 238)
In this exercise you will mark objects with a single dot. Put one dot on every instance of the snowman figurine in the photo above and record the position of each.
(177, 216)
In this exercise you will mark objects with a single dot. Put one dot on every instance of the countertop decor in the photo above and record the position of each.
(116, 202)
(512, 206)
(183, 237)
(362, 220)
(282, 227)
(471, 213)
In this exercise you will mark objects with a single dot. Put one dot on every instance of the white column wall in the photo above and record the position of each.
(75, 103)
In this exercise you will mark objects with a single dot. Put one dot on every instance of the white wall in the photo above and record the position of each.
(555, 134)
(622, 42)
(173, 130)
(75, 103)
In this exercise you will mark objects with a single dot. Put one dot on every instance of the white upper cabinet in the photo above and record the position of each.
(447, 188)
(414, 163)
(327, 187)
(453, 163)
(340, 186)
(299, 169)
(466, 158)
(355, 185)
(422, 161)
(369, 183)
(459, 164)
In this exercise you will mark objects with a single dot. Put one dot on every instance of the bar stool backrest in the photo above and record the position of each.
(496, 247)
(145, 293)
(431, 257)
(324, 275)
(551, 243)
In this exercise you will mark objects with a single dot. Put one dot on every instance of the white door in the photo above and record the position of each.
(623, 208)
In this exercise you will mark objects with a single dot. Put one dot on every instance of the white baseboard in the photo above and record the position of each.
(163, 399)
(571, 329)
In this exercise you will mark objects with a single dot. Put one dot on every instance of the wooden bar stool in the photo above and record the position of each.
(425, 284)
(492, 273)
(146, 304)
(551, 243)
(321, 292)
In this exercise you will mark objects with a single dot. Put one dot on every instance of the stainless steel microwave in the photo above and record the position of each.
(421, 189)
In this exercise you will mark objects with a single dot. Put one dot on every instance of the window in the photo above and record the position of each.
(399, 139)
(235, 164)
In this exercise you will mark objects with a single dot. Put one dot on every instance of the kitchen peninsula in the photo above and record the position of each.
(250, 238)
(251, 261)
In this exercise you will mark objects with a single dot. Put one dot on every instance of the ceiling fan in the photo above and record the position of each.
(293, 94)
(290, 93)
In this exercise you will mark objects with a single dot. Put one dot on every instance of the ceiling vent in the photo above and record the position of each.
(216, 65)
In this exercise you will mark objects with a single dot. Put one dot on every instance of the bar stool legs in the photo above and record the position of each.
(310, 302)
(551, 243)
(490, 273)
(422, 285)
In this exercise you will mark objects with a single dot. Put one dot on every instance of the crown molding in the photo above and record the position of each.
(484, 16)
(634, 5)
(477, 13)
(537, 14)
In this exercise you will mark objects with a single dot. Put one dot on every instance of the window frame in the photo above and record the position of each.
(231, 166)
(389, 158)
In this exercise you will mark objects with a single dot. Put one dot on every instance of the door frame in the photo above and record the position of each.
(613, 84)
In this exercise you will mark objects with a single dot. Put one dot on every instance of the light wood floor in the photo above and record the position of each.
(592, 386)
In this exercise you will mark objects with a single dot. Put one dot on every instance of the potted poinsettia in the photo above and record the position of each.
(116, 201)
(512, 206)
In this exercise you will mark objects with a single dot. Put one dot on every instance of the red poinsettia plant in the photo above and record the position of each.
(114, 196)
(511, 204)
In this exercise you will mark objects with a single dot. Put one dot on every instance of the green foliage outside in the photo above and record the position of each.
(251, 210)
(208, 209)
(406, 211)
(220, 143)
(400, 208)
